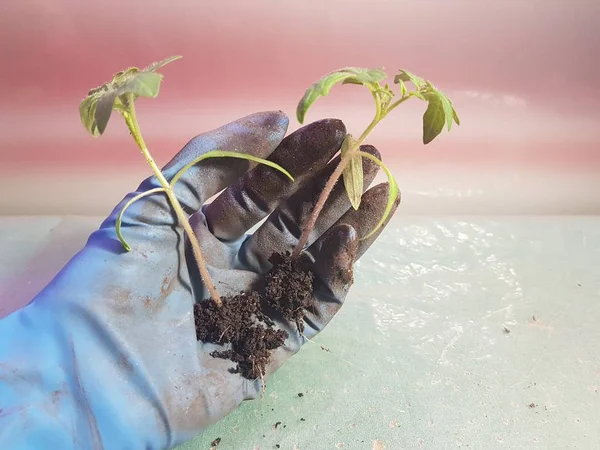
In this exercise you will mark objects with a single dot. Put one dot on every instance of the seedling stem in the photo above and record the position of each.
(132, 123)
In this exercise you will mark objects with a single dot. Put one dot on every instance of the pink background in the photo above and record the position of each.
(523, 74)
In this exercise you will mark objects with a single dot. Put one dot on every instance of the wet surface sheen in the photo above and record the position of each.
(458, 333)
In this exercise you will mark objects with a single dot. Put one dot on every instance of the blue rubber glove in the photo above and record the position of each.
(106, 356)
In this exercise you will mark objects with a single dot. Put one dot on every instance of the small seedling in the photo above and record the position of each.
(439, 113)
(120, 95)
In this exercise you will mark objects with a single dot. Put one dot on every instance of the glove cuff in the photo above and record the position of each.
(51, 394)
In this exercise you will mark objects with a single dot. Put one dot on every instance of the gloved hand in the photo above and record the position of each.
(106, 356)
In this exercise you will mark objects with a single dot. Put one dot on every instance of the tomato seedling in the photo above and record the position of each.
(439, 113)
(120, 95)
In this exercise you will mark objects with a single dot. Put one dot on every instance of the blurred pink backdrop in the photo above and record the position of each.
(523, 75)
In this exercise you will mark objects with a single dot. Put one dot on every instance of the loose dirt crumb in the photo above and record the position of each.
(289, 288)
(237, 322)
(241, 323)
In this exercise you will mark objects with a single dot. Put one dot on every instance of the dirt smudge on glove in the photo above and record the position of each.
(167, 288)
(119, 300)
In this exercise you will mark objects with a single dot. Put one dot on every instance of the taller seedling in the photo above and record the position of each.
(440, 113)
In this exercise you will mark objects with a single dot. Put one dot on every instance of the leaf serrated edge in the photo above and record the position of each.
(157, 65)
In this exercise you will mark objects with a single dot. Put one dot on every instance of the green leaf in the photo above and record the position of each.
(449, 112)
(87, 112)
(365, 76)
(353, 173)
(144, 84)
(96, 109)
(228, 154)
(104, 110)
(157, 65)
(393, 193)
(348, 75)
(403, 90)
(455, 116)
(434, 119)
(440, 112)
(404, 75)
(353, 180)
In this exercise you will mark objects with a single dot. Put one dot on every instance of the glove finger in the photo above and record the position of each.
(257, 135)
(368, 215)
(282, 229)
(334, 254)
(256, 194)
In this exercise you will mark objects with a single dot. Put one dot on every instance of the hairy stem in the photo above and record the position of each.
(380, 113)
(132, 124)
(339, 170)
(312, 220)
(396, 103)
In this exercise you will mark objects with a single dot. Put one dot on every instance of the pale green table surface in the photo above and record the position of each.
(473, 332)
